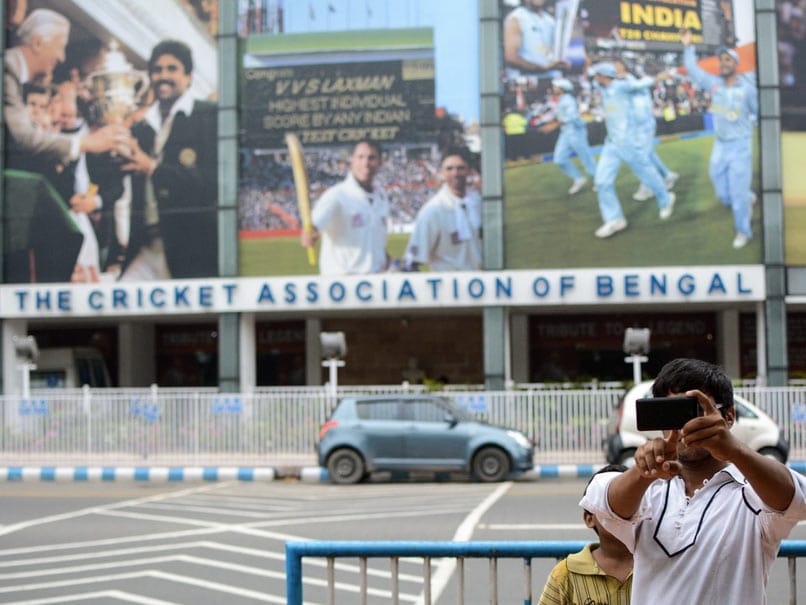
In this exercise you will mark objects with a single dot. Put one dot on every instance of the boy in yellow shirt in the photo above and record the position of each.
(599, 574)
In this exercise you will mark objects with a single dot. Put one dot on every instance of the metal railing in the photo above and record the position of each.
(204, 427)
(493, 551)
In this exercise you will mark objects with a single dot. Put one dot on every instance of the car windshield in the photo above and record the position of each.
(450, 406)
(429, 409)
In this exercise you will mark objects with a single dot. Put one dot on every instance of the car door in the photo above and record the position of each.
(749, 425)
(432, 441)
(379, 430)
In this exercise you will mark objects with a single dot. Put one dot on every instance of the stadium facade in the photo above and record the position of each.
(552, 300)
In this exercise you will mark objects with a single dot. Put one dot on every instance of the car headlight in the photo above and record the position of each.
(521, 439)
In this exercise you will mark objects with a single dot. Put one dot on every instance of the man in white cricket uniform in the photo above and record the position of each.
(447, 230)
(351, 219)
(734, 105)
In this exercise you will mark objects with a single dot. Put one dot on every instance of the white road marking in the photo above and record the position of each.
(361, 516)
(119, 595)
(445, 567)
(251, 528)
(207, 585)
(216, 546)
(151, 573)
(533, 526)
(8, 529)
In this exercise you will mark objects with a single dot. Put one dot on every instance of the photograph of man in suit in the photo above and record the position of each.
(42, 239)
(173, 186)
(42, 40)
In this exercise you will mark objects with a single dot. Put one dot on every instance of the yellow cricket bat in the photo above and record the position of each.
(301, 185)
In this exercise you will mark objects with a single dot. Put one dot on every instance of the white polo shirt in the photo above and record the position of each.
(353, 227)
(447, 233)
(716, 547)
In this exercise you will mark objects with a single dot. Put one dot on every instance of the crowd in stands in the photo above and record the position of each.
(268, 200)
(674, 97)
(792, 42)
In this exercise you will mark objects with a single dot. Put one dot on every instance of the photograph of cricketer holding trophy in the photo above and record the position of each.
(111, 155)
(668, 82)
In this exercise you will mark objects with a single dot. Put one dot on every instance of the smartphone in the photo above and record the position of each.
(665, 413)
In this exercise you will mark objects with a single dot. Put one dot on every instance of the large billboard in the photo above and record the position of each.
(792, 78)
(110, 165)
(372, 97)
(631, 133)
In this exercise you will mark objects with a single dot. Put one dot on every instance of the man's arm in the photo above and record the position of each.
(28, 136)
(655, 459)
(700, 77)
(769, 478)
(512, 44)
(34, 139)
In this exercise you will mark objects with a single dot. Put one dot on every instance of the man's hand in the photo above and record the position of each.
(710, 431)
(667, 74)
(139, 160)
(559, 64)
(657, 459)
(549, 127)
(113, 138)
(686, 37)
(308, 240)
(83, 203)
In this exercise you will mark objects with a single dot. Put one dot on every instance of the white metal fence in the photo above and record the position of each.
(278, 427)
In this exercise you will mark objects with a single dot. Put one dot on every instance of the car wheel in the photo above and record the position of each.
(627, 457)
(345, 466)
(490, 464)
(773, 452)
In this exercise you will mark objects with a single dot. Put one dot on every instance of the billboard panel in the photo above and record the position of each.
(629, 142)
(395, 75)
(792, 77)
(111, 142)
(110, 166)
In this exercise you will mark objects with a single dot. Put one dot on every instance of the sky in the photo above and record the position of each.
(456, 43)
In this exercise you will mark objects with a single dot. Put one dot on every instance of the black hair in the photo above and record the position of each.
(373, 144)
(34, 88)
(461, 152)
(175, 48)
(681, 375)
(608, 468)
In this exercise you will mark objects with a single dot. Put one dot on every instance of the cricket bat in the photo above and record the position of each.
(301, 185)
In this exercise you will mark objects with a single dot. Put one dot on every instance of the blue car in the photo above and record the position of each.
(416, 433)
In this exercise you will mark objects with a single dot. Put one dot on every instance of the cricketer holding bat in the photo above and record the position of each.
(351, 218)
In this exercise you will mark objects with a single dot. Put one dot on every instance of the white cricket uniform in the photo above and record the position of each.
(447, 233)
(716, 547)
(352, 222)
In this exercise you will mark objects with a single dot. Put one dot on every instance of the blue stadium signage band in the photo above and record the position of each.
(388, 291)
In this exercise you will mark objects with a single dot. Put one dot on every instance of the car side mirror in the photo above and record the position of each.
(450, 419)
